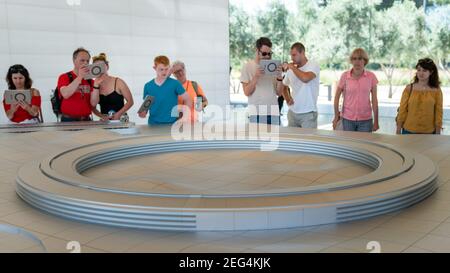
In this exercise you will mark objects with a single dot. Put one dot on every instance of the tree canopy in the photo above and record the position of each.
(394, 33)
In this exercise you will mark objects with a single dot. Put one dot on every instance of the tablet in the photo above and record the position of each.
(199, 104)
(270, 66)
(14, 96)
(95, 70)
(148, 101)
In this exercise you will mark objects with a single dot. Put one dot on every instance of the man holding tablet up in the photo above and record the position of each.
(259, 86)
(75, 90)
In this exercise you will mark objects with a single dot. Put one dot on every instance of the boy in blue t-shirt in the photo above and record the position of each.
(165, 91)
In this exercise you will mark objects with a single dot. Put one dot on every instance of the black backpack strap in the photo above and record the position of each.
(195, 85)
(410, 92)
(69, 74)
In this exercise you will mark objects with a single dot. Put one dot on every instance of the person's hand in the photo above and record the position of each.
(259, 73)
(375, 127)
(14, 107)
(25, 106)
(103, 117)
(142, 114)
(290, 101)
(279, 72)
(285, 67)
(184, 118)
(438, 130)
(170, 71)
(292, 66)
(335, 121)
(399, 130)
(116, 116)
(174, 68)
(204, 104)
(99, 80)
(83, 71)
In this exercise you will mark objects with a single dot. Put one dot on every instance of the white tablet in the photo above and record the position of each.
(95, 70)
(14, 96)
(270, 66)
(148, 101)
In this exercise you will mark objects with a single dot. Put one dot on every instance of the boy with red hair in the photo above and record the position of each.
(165, 91)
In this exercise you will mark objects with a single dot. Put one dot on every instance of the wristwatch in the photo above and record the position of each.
(281, 79)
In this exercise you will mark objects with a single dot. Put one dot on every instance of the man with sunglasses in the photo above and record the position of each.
(260, 88)
(302, 77)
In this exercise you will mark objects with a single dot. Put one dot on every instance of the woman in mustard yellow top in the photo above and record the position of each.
(421, 109)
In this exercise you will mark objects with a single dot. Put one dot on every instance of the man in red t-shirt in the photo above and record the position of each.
(76, 92)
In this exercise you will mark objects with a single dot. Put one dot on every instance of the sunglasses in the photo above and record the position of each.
(264, 54)
(357, 58)
(16, 70)
(425, 60)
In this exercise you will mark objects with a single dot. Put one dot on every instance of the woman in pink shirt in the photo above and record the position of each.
(359, 88)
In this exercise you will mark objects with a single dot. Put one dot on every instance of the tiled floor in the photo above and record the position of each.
(422, 228)
(254, 170)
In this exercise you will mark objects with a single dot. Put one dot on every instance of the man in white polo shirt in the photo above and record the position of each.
(302, 77)
(260, 88)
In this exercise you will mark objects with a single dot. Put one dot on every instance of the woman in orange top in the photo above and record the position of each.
(421, 108)
(18, 78)
(179, 71)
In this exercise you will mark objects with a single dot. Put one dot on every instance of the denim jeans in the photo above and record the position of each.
(275, 120)
(406, 132)
(357, 126)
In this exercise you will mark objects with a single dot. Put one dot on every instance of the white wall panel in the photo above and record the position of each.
(107, 43)
(58, 4)
(143, 26)
(24, 17)
(4, 41)
(102, 23)
(43, 34)
(154, 8)
(40, 42)
(4, 60)
(195, 12)
(106, 6)
(3, 18)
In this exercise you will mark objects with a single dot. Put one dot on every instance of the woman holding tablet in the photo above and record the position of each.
(112, 93)
(18, 78)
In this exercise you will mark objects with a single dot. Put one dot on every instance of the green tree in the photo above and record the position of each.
(438, 22)
(275, 23)
(341, 27)
(306, 18)
(242, 36)
(400, 35)
(439, 2)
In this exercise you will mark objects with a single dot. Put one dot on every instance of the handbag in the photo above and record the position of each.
(407, 102)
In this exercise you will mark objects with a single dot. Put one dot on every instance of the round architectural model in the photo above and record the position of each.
(154, 182)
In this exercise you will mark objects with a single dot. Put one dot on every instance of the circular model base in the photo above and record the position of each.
(57, 185)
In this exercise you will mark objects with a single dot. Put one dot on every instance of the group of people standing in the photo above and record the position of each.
(78, 97)
(298, 84)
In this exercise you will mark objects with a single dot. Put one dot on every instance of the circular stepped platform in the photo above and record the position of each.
(57, 185)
